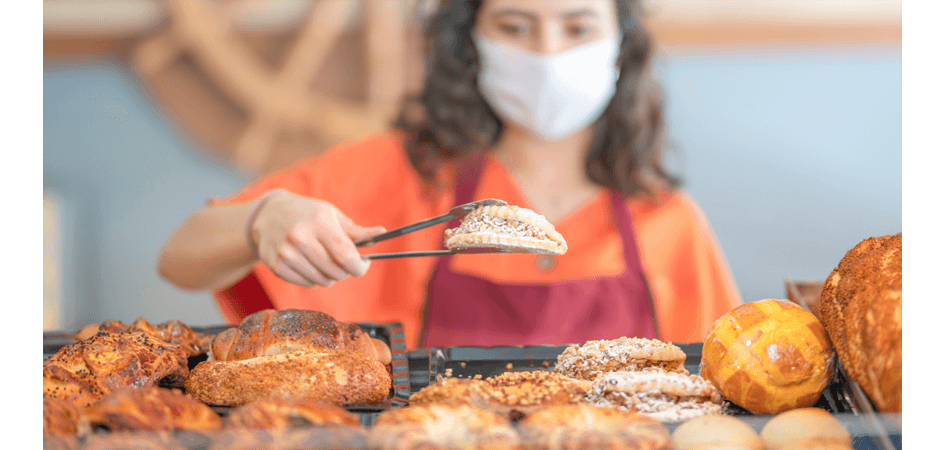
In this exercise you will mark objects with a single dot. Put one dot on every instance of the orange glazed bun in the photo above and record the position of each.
(768, 357)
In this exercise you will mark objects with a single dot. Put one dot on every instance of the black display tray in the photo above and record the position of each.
(870, 430)
(391, 333)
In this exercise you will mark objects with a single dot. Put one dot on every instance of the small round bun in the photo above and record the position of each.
(716, 431)
(805, 428)
(768, 357)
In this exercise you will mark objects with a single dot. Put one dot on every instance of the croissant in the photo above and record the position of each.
(270, 332)
(149, 409)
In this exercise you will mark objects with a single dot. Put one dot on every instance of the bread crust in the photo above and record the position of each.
(664, 396)
(149, 409)
(85, 371)
(861, 307)
(331, 376)
(60, 417)
(442, 427)
(768, 356)
(584, 426)
(172, 331)
(271, 332)
(282, 413)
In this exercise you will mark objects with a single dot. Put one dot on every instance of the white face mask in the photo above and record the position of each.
(555, 95)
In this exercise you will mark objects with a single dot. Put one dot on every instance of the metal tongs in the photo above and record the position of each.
(457, 212)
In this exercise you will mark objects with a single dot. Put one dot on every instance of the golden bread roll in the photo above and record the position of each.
(432, 427)
(330, 438)
(664, 396)
(768, 357)
(172, 331)
(861, 307)
(716, 431)
(85, 371)
(595, 358)
(805, 428)
(149, 409)
(518, 230)
(582, 426)
(331, 376)
(271, 332)
(281, 413)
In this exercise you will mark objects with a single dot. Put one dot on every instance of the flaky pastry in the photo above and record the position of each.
(515, 229)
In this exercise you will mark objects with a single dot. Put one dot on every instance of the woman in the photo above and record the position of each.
(546, 105)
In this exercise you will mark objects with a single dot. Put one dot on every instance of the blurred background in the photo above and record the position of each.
(785, 118)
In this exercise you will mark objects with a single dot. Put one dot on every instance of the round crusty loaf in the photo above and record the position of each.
(270, 332)
(768, 357)
(861, 307)
(336, 377)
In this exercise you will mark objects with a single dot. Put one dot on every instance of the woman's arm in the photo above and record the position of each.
(304, 241)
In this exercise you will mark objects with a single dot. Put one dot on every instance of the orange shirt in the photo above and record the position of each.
(374, 184)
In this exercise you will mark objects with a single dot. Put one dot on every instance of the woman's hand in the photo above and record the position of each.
(308, 242)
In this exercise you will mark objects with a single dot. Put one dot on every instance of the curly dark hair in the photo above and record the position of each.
(449, 119)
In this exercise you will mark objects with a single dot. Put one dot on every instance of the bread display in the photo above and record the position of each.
(515, 229)
(595, 358)
(861, 307)
(768, 357)
(664, 396)
(149, 409)
(716, 432)
(331, 376)
(805, 428)
(583, 426)
(271, 332)
(133, 440)
(433, 427)
(85, 371)
(172, 331)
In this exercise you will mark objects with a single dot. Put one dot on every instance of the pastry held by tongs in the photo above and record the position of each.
(517, 230)
(488, 226)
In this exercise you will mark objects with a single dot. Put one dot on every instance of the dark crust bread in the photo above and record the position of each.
(861, 308)
(335, 377)
(85, 371)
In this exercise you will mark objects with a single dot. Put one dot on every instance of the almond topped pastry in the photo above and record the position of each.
(515, 229)
(595, 358)
(664, 396)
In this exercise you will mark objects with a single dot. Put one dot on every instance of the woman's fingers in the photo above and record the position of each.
(285, 271)
(343, 252)
(316, 273)
(313, 253)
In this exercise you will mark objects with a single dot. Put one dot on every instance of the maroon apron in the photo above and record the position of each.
(468, 310)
